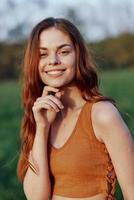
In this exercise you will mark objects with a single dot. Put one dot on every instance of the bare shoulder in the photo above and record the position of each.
(104, 116)
(103, 111)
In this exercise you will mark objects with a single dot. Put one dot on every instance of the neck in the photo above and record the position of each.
(71, 97)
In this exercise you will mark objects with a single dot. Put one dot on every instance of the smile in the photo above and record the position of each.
(55, 72)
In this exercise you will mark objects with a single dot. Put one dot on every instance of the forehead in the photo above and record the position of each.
(53, 37)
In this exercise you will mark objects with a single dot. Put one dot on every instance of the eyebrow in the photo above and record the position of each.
(59, 47)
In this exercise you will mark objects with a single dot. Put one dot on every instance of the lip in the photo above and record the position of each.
(55, 73)
(55, 69)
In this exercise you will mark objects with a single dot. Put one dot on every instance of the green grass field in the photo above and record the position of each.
(116, 84)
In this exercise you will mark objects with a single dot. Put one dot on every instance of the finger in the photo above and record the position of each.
(47, 101)
(47, 89)
(59, 94)
(52, 98)
(38, 107)
(56, 101)
(43, 106)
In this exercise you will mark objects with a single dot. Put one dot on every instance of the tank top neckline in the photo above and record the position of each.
(72, 133)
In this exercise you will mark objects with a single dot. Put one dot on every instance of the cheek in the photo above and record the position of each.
(70, 61)
(72, 64)
(71, 71)
(41, 64)
(40, 69)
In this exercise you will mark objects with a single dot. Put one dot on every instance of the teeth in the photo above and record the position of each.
(55, 72)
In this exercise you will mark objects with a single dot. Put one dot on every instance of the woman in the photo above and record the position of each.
(74, 141)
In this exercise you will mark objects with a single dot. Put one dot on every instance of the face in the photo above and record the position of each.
(57, 58)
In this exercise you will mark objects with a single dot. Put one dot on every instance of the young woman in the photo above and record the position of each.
(75, 144)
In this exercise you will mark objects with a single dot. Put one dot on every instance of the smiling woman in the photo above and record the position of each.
(75, 145)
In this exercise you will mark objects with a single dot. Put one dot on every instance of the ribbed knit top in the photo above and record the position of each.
(82, 166)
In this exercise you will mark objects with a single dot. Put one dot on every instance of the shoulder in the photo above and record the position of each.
(103, 111)
(104, 114)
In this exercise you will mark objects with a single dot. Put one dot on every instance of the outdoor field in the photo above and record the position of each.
(116, 84)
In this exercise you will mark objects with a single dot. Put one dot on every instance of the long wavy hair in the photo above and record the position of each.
(86, 81)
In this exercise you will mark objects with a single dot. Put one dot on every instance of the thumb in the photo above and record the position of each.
(59, 94)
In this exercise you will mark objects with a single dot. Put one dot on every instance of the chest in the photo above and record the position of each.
(62, 129)
(80, 151)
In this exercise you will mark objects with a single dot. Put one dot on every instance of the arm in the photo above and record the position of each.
(37, 186)
(110, 128)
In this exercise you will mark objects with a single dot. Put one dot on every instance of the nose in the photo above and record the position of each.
(54, 59)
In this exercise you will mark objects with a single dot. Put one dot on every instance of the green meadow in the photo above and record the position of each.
(116, 84)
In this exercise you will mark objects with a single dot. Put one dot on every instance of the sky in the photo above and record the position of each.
(99, 18)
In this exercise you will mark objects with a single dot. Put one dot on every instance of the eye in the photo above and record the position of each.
(65, 52)
(43, 55)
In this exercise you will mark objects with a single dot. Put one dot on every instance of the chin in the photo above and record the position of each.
(62, 85)
(56, 85)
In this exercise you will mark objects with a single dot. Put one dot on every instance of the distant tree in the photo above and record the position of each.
(10, 60)
(114, 53)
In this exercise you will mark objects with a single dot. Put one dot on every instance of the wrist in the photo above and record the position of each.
(43, 129)
(42, 126)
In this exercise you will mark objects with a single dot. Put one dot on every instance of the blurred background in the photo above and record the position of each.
(108, 29)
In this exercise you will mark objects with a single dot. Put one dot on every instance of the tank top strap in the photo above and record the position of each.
(86, 119)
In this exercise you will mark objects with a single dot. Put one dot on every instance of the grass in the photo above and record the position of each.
(10, 115)
(119, 85)
(116, 84)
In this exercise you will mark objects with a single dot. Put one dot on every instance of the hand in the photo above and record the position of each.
(45, 108)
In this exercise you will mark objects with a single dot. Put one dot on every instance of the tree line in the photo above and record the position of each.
(111, 53)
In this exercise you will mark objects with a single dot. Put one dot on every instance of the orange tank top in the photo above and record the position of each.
(82, 166)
